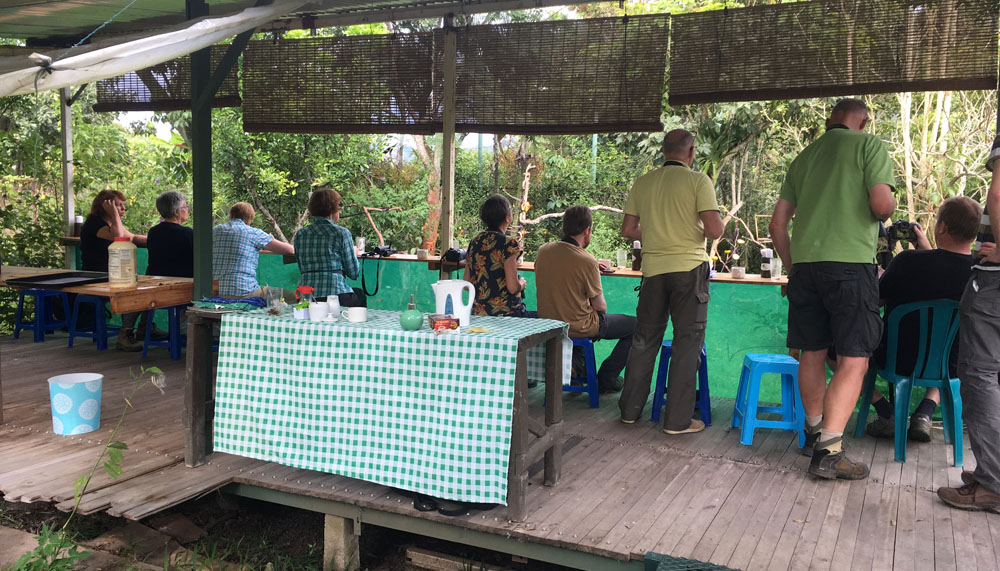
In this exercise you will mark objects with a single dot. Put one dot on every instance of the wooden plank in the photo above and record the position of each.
(982, 542)
(829, 532)
(794, 524)
(801, 553)
(689, 528)
(709, 540)
(945, 556)
(763, 551)
(874, 517)
(723, 551)
(766, 505)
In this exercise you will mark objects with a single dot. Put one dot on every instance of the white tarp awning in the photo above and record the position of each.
(140, 54)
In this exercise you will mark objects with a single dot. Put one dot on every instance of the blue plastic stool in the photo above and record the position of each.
(586, 384)
(702, 401)
(43, 320)
(99, 331)
(745, 410)
(174, 341)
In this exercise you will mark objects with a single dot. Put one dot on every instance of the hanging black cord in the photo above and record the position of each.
(378, 275)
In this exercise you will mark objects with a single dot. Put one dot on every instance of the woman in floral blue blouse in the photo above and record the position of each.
(325, 251)
(491, 263)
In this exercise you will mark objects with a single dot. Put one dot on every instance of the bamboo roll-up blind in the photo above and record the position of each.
(832, 47)
(560, 77)
(163, 87)
(354, 84)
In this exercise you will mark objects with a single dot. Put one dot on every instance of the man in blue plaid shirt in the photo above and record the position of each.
(235, 252)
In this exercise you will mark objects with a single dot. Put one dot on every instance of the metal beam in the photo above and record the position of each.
(373, 14)
(493, 541)
(69, 198)
(448, 135)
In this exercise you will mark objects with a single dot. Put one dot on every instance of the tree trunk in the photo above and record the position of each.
(905, 108)
(431, 159)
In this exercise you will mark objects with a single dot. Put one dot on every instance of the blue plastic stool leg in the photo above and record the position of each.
(659, 393)
(593, 389)
(750, 413)
(149, 329)
(704, 398)
(19, 315)
(739, 407)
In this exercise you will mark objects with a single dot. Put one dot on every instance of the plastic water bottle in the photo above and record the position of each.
(122, 263)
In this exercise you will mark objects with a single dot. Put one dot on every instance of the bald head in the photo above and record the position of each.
(678, 145)
(852, 113)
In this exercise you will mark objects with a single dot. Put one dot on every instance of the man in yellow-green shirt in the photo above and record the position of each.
(672, 210)
(838, 188)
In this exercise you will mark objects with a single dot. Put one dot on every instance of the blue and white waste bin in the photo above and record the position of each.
(76, 402)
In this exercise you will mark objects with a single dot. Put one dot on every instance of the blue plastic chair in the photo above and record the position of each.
(100, 331)
(586, 384)
(175, 339)
(702, 399)
(938, 329)
(43, 320)
(793, 416)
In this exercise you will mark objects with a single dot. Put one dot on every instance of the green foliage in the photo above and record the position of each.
(55, 552)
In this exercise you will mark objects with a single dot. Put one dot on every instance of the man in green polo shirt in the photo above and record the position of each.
(838, 189)
(677, 211)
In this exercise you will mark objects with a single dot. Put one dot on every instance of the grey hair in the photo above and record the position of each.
(168, 203)
(677, 142)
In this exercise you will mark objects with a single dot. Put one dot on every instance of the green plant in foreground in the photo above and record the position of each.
(55, 550)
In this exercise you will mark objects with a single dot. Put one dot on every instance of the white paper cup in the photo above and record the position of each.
(318, 311)
(355, 314)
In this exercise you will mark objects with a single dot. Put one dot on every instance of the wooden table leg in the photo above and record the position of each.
(553, 407)
(197, 390)
(517, 468)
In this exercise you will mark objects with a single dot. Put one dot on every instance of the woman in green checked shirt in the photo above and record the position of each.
(325, 251)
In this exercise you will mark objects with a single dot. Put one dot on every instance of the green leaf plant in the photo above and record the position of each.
(56, 550)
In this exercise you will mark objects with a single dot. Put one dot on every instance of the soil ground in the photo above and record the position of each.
(253, 534)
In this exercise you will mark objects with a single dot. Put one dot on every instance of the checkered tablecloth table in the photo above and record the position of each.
(409, 409)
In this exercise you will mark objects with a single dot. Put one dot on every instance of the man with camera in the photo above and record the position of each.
(979, 365)
(838, 188)
(568, 284)
(924, 274)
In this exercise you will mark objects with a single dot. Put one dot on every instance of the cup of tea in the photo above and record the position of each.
(355, 314)
(422, 254)
(739, 272)
(318, 310)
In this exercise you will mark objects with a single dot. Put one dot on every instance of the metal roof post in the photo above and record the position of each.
(448, 136)
(201, 160)
(69, 198)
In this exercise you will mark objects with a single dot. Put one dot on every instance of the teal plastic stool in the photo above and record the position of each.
(702, 399)
(938, 328)
(586, 384)
(745, 410)
(175, 339)
(43, 320)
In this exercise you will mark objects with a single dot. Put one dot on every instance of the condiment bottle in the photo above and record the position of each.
(411, 319)
(636, 255)
(765, 268)
(122, 263)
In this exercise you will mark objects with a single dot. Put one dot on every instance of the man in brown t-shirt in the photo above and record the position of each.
(568, 282)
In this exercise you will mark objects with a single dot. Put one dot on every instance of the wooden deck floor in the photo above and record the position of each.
(625, 489)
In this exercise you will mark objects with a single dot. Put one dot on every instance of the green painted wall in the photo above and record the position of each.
(742, 318)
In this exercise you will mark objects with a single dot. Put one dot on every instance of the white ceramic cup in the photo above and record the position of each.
(739, 272)
(355, 314)
(318, 310)
(606, 263)
(422, 254)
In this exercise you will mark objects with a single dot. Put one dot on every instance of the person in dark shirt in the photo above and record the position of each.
(920, 275)
(102, 226)
(170, 245)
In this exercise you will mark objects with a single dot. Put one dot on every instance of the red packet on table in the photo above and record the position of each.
(442, 323)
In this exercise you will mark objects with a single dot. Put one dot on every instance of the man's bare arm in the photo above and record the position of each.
(782, 240)
(712, 221)
(881, 202)
(630, 227)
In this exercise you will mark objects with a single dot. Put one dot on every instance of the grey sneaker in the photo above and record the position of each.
(920, 428)
(833, 465)
(882, 427)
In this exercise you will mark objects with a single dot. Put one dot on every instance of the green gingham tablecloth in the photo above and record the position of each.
(409, 409)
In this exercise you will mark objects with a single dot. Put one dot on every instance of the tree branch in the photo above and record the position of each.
(558, 214)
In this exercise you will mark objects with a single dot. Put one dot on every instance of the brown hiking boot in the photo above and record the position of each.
(968, 477)
(920, 428)
(126, 342)
(881, 427)
(833, 465)
(972, 497)
(810, 445)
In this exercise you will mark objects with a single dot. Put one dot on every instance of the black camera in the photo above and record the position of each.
(902, 231)
(380, 252)
(454, 255)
